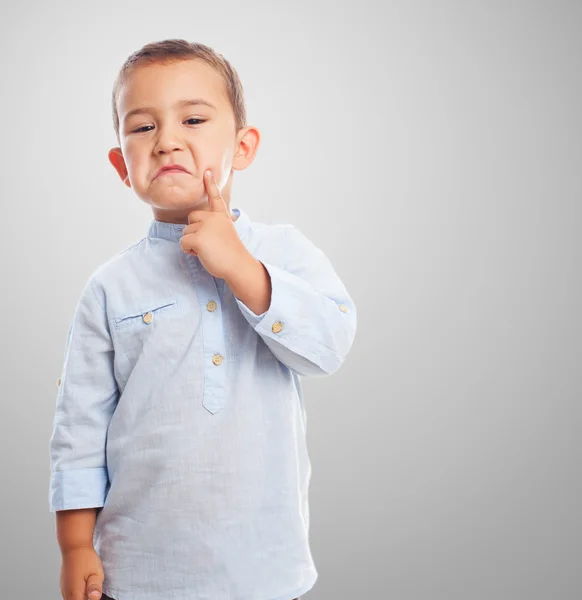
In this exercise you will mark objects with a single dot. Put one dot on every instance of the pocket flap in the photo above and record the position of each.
(153, 307)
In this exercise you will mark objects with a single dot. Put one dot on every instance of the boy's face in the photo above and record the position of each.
(197, 137)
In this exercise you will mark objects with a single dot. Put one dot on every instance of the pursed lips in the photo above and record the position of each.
(172, 170)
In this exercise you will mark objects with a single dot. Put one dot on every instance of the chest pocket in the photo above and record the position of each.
(145, 328)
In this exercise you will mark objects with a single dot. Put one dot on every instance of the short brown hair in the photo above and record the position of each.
(173, 50)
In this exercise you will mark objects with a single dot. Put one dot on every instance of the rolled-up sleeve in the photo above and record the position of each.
(86, 399)
(311, 322)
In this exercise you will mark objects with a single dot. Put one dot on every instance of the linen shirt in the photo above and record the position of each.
(180, 414)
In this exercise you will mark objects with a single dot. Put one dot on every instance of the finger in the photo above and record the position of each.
(94, 587)
(189, 244)
(196, 215)
(216, 202)
(192, 227)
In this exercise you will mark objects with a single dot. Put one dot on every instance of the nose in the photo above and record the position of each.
(168, 141)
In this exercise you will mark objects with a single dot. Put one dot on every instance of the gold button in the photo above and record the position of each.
(211, 306)
(217, 359)
(58, 382)
(343, 308)
(147, 318)
(277, 326)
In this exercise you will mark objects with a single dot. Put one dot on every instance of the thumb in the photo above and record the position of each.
(94, 587)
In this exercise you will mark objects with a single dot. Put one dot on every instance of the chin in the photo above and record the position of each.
(177, 199)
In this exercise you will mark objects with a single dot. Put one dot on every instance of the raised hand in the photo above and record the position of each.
(212, 236)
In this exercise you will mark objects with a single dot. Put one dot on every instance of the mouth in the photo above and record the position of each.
(171, 170)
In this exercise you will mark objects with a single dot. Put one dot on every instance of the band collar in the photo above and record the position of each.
(173, 231)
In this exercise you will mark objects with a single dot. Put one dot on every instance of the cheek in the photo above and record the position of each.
(225, 165)
(136, 146)
(135, 160)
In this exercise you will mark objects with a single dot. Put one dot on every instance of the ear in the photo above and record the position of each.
(247, 144)
(116, 159)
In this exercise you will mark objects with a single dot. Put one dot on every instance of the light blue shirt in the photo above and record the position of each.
(180, 412)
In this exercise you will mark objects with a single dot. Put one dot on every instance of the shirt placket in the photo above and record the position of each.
(214, 346)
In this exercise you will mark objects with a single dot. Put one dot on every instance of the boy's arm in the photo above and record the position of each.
(310, 324)
(86, 400)
(75, 528)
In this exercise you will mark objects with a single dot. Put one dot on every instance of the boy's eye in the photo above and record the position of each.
(187, 120)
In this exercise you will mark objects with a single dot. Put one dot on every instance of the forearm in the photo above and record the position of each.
(75, 528)
(250, 282)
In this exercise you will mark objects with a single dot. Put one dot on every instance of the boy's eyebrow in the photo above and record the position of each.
(180, 104)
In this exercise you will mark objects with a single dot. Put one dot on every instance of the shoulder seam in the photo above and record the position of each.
(132, 246)
(91, 282)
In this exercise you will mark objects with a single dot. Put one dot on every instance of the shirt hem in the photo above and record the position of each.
(298, 592)
(288, 596)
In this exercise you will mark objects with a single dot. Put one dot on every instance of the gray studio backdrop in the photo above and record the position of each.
(433, 151)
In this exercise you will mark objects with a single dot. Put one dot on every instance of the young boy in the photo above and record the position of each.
(179, 467)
